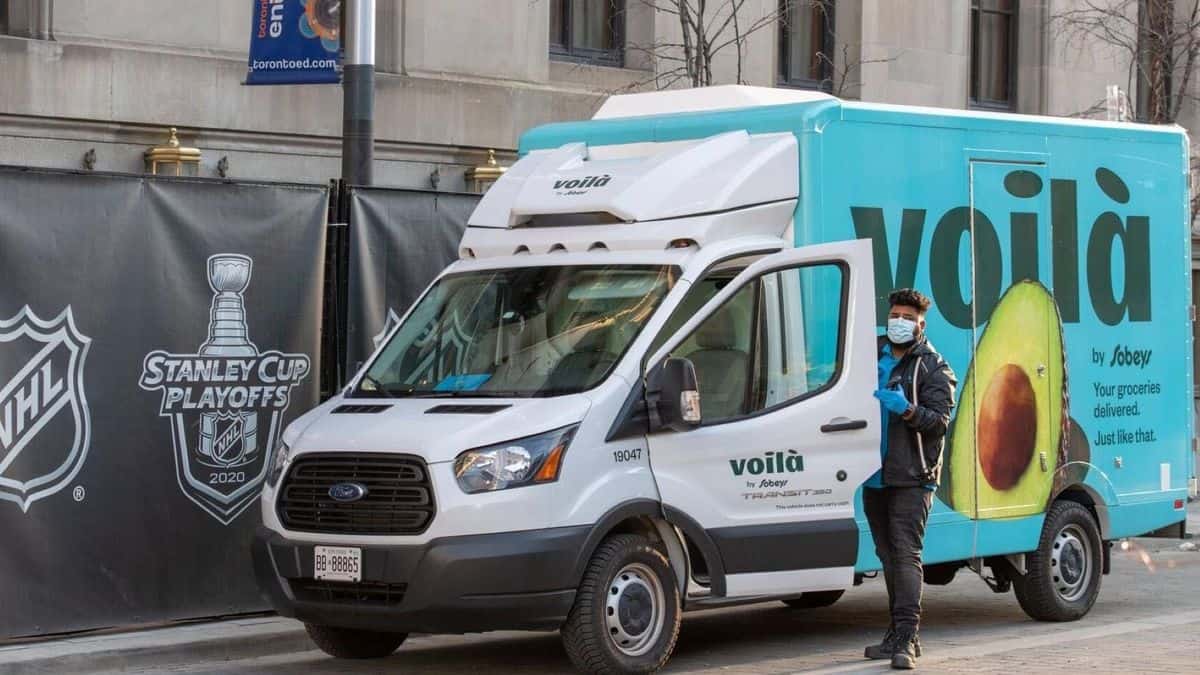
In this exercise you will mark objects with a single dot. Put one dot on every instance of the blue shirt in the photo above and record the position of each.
(886, 363)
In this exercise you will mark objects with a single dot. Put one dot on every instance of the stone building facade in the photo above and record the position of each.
(457, 77)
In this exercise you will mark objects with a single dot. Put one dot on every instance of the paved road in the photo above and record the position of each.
(1147, 619)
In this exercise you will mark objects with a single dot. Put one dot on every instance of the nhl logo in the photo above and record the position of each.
(45, 428)
(451, 336)
(225, 402)
(389, 322)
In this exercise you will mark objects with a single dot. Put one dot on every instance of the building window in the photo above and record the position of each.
(993, 53)
(3, 17)
(588, 31)
(806, 43)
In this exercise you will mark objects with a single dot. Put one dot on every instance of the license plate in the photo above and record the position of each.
(337, 563)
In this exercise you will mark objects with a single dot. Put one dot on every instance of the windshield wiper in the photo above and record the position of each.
(557, 391)
(462, 393)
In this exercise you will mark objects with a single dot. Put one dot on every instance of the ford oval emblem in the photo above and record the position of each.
(347, 492)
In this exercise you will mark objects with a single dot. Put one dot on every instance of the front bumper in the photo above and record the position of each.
(512, 580)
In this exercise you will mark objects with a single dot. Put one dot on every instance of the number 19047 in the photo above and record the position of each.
(620, 456)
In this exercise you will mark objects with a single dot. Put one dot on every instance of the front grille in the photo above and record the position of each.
(363, 592)
(398, 500)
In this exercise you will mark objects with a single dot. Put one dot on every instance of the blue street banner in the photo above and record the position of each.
(294, 42)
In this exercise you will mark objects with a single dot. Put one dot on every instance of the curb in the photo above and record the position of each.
(158, 648)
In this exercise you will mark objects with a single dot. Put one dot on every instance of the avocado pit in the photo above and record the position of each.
(1007, 427)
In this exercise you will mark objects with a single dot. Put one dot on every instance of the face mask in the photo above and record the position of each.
(901, 331)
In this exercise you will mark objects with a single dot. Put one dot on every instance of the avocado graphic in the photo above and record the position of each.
(1012, 428)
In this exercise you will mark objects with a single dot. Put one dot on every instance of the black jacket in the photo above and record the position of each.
(914, 453)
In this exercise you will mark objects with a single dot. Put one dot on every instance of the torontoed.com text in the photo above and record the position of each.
(292, 64)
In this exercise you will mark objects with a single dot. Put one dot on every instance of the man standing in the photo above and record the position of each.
(916, 394)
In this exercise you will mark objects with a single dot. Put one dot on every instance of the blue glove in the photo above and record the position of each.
(881, 368)
(893, 400)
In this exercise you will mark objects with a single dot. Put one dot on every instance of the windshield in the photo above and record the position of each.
(534, 331)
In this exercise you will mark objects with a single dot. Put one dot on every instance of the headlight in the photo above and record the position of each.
(525, 461)
(279, 458)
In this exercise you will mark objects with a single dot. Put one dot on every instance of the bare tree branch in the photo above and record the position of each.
(707, 28)
(1161, 46)
(840, 72)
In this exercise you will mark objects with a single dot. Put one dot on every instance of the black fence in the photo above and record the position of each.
(156, 336)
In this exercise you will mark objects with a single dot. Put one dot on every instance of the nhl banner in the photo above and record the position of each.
(294, 42)
(156, 336)
(399, 241)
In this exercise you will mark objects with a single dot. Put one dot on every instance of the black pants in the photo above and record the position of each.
(897, 516)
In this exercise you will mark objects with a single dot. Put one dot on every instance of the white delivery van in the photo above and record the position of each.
(646, 385)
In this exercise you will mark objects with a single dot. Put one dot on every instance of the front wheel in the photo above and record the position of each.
(627, 610)
(349, 643)
(1062, 576)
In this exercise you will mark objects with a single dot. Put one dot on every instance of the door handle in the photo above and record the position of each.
(842, 424)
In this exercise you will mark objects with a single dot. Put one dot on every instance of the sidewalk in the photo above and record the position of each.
(158, 647)
(251, 638)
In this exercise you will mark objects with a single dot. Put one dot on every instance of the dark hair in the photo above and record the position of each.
(910, 297)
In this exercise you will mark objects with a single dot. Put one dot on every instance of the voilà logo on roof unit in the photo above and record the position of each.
(45, 424)
(225, 402)
(579, 186)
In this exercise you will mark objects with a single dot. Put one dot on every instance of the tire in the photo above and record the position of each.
(627, 610)
(1063, 575)
(350, 643)
(815, 599)
(940, 574)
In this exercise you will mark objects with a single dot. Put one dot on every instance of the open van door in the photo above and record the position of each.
(785, 366)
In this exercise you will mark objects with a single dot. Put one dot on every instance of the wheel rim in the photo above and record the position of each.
(635, 609)
(1071, 563)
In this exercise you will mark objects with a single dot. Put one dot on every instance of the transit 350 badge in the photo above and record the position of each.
(45, 427)
(225, 402)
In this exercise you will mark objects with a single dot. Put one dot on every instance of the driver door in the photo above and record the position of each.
(785, 360)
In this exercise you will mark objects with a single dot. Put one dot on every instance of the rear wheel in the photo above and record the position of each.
(815, 599)
(627, 610)
(350, 643)
(1063, 575)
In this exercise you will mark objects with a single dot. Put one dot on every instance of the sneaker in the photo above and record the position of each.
(905, 650)
(884, 649)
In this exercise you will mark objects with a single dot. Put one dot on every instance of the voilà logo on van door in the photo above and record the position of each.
(771, 462)
(45, 425)
(225, 402)
(567, 187)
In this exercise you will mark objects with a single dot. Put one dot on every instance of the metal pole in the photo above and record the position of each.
(358, 92)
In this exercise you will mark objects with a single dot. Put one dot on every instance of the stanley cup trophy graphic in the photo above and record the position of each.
(228, 438)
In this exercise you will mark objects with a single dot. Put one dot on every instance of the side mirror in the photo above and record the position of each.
(673, 396)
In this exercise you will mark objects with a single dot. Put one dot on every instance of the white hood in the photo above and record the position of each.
(407, 426)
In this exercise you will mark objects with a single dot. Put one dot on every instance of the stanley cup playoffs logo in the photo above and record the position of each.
(225, 402)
